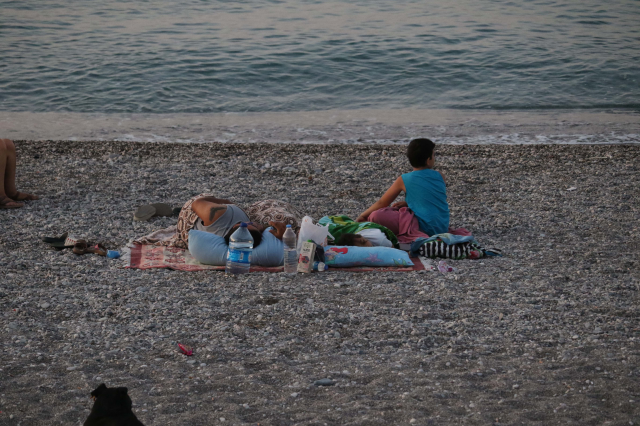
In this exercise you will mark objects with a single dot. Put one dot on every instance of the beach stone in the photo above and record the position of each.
(503, 321)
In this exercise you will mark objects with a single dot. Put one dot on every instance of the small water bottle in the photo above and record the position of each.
(320, 266)
(239, 253)
(290, 253)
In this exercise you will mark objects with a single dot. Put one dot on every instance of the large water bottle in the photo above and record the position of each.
(239, 253)
(290, 253)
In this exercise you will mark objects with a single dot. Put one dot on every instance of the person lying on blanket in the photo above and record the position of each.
(222, 217)
(353, 240)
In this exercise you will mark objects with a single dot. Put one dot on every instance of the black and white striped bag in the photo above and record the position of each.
(437, 248)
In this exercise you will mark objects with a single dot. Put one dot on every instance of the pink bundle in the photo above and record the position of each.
(400, 221)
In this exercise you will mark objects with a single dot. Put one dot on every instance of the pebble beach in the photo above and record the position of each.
(548, 334)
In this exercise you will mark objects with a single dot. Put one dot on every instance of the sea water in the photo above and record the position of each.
(208, 56)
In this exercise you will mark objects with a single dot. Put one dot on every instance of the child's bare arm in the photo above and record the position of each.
(443, 179)
(384, 201)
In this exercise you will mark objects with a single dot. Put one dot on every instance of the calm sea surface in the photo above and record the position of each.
(174, 56)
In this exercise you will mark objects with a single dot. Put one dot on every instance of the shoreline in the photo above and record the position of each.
(549, 333)
(369, 126)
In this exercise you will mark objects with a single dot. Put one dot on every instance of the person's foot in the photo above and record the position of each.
(8, 203)
(23, 196)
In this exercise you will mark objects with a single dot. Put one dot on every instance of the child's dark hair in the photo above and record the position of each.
(419, 151)
(347, 240)
(257, 236)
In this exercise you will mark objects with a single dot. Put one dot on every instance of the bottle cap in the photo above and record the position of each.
(243, 225)
(288, 226)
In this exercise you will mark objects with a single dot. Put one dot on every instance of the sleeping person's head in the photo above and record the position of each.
(353, 240)
(253, 230)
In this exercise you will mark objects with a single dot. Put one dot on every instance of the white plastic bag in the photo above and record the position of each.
(311, 231)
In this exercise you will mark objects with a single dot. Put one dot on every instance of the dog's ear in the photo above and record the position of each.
(96, 393)
(123, 390)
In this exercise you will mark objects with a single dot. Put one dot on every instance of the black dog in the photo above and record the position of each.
(112, 407)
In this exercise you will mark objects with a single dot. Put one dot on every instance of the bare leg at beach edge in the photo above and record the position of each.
(10, 197)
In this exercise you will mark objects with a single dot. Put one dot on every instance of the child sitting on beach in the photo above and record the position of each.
(425, 190)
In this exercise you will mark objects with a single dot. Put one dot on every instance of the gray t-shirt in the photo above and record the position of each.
(232, 216)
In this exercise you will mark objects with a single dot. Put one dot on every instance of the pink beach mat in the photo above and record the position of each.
(149, 256)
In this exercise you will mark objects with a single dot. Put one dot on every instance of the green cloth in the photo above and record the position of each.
(339, 225)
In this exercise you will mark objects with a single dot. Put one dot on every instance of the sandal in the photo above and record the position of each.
(80, 247)
(98, 249)
(144, 213)
(9, 203)
(53, 240)
(162, 209)
(23, 196)
(60, 243)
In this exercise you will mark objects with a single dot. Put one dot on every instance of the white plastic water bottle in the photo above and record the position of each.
(290, 253)
(239, 253)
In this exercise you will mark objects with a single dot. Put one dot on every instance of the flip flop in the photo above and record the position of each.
(98, 249)
(144, 213)
(9, 203)
(60, 243)
(53, 240)
(23, 196)
(162, 209)
(80, 247)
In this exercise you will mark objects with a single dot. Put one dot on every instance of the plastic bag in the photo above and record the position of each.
(311, 231)
(444, 268)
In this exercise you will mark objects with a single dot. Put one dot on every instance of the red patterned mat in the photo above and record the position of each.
(148, 256)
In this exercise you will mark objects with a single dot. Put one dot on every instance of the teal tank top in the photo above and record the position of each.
(427, 197)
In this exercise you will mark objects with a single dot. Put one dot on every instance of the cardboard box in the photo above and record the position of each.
(305, 259)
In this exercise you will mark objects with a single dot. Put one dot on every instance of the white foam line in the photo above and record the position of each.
(509, 139)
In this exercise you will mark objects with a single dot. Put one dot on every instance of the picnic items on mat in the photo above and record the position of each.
(239, 251)
(450, 246)
(307, 254)
(310, 231)
(139, 256)
(146, 212)
(348, 256)
(211, 249)
(320, 266)
(289, 243)
(339, 225)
